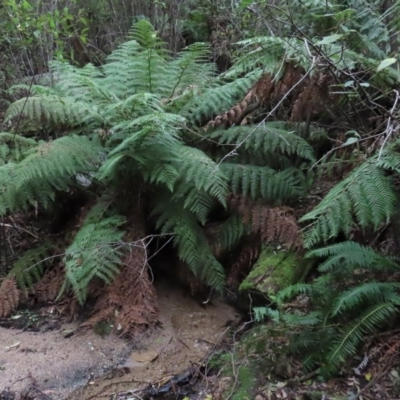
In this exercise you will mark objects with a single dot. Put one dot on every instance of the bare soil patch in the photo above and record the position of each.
(87, 366)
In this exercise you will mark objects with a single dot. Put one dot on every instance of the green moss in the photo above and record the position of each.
(246, 381)
(274, 270)
(102, 328)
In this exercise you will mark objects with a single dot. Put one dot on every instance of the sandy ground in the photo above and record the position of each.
(86, 366)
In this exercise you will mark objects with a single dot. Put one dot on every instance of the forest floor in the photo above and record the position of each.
(47, 365)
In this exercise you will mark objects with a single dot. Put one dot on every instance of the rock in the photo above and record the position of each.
(7, 394)
(144, 357)
(275, 270)
(67, 333)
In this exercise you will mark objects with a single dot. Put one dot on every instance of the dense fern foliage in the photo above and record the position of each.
(355, 290)
(342, 311)
(287, 125)
(139, 118)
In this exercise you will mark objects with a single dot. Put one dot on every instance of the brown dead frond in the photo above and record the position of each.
(273, 224)
(9, 297)
(243, 263)
(314, 98)
(291, 76)
(304, 97)
(235, 115)
(47, 289)
(130, 301)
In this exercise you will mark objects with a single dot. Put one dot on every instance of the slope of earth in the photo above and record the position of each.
(86, 365)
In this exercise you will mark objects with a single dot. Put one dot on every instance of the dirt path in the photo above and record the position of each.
(82, 366)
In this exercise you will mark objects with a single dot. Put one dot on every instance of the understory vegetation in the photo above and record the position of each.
(285, 135)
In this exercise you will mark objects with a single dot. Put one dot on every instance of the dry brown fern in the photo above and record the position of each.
(308, 97)
(273, 224)
(9, 297)
(47, 289)
(243, 263)
(130, 301)
(314, 98)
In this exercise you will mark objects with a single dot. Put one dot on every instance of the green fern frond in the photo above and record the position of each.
(390, 158)
(198, 169)
(268, 53)
(13, 147)
(314, 289)
(30, 267)
(95, 251)
(310, 319)
(216, 99)
(191, 242)
(255, 182)
(372, 292)
(352, 255)
(199, 202)
(50, 110)
(364, 197)
(144, 33)
(266, 138)
(139, 65)
(192, 67)
(82, 84)
(347, 342)
(230, 232)
(46, 168)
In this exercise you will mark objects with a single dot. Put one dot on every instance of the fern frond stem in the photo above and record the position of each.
(149, 69)
(328, 153)
(23, 108)
(18, 228)
(389, 127)
(165, 244)
(240, 144)
(121, 244)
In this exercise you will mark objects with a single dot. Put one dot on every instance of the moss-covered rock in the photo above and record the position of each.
(274, 270)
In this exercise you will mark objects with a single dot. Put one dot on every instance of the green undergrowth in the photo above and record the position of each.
(261, 364)
(239, 372)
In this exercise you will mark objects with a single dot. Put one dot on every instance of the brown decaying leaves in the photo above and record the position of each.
(273, 224)
(309, 98)
(9, 297)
